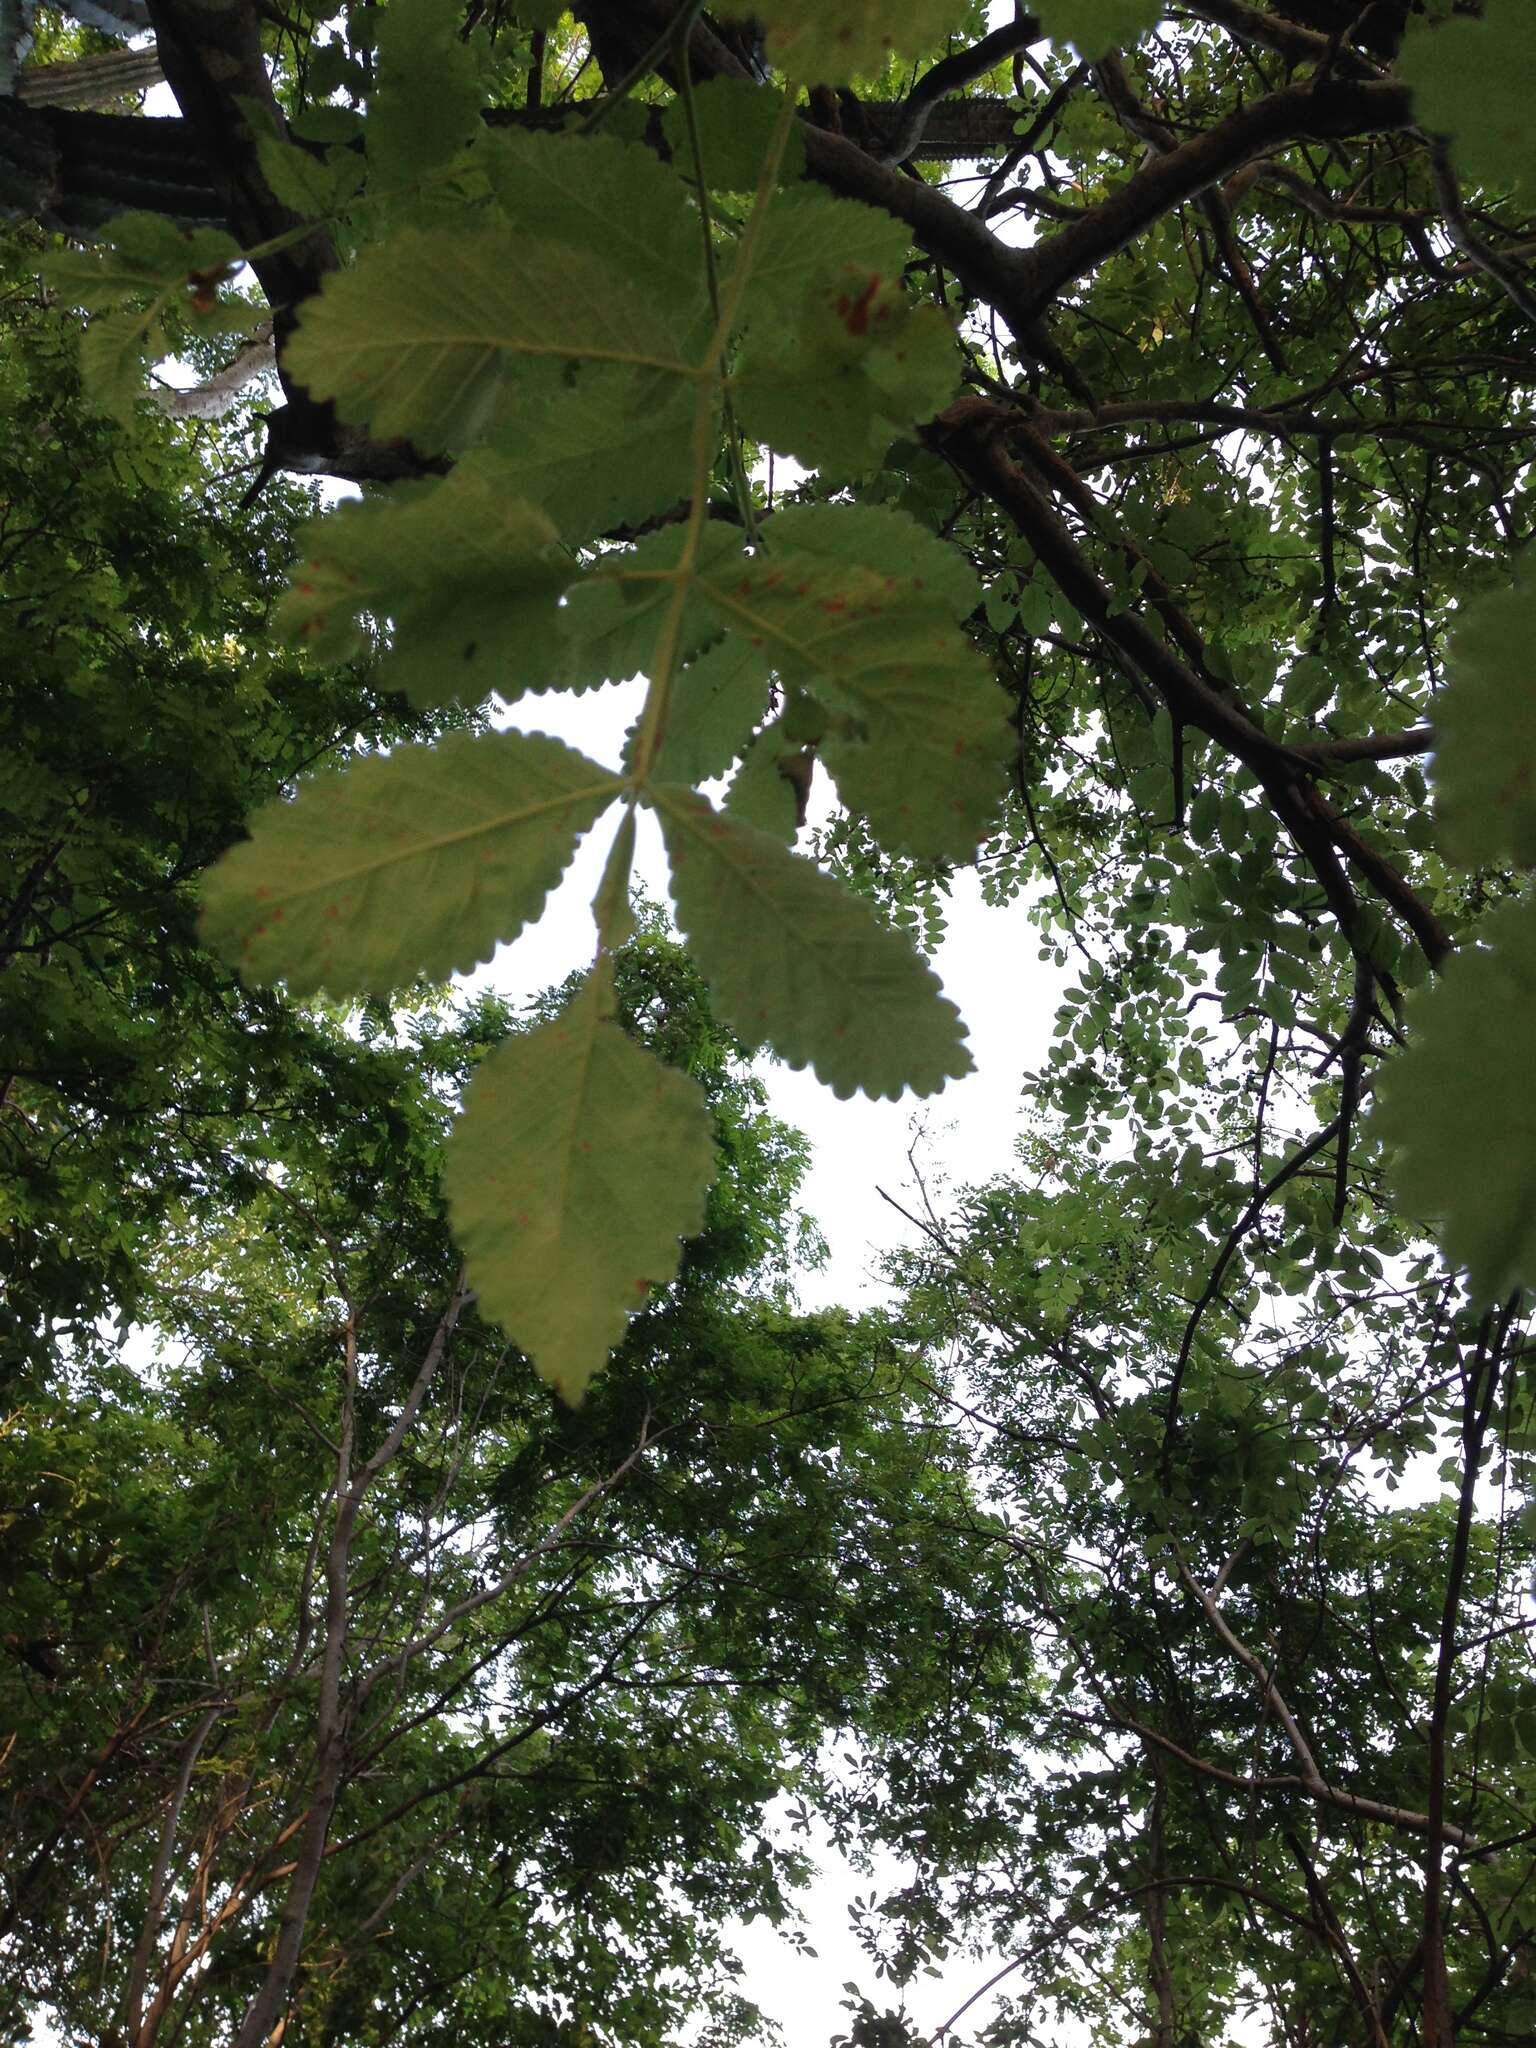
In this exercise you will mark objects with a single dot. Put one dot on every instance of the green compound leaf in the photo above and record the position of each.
(763, 790)
(613, 614)
(311, 183)
(716, 704)
(807, 236)
(736, 120)
(1485, 752)
(143, 266)
(426, 108)
(798, 963)
(1094, 26)
(578, 1165)
(417, 862)
(116, 351)
(607, 452)
(934, 726)
(415, 340)
(139, 253)
(831, 44)
(1475, 80)
(1460, 1106)
(467, 570)
(614, 199)
(878, 537)
(864, 362)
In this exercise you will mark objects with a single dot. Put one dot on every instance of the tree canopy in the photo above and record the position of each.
(1089, 445)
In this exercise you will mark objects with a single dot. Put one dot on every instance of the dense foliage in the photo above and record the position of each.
(1152, 1580)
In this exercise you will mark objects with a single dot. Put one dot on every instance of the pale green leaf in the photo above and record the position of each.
(829, 42)
(763, 791)
(1459, 1107)
(736, 121)
(116, 350)
(1485, 718)
(613, 909)
(416, 338)
(578, 1165)
(614, 614)
(1094, 26)
(129, 280)
(312, 183)
(100, 279)
(878, 537)
(465, 569)
(934, 726)
(609, 451)
(425, 107)
(864, 363)
(716, 703)
(614, 199)
(417, 862)
(137, 254)
(1475, 80)
(805, 237)
(796, 962)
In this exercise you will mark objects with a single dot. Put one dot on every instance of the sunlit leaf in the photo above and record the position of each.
(465, 569)
(925, 768)
(416, 337)
(798, 963)
(578, 1165)
(416, 862)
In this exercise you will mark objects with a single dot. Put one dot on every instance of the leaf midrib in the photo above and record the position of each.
(610, 786)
